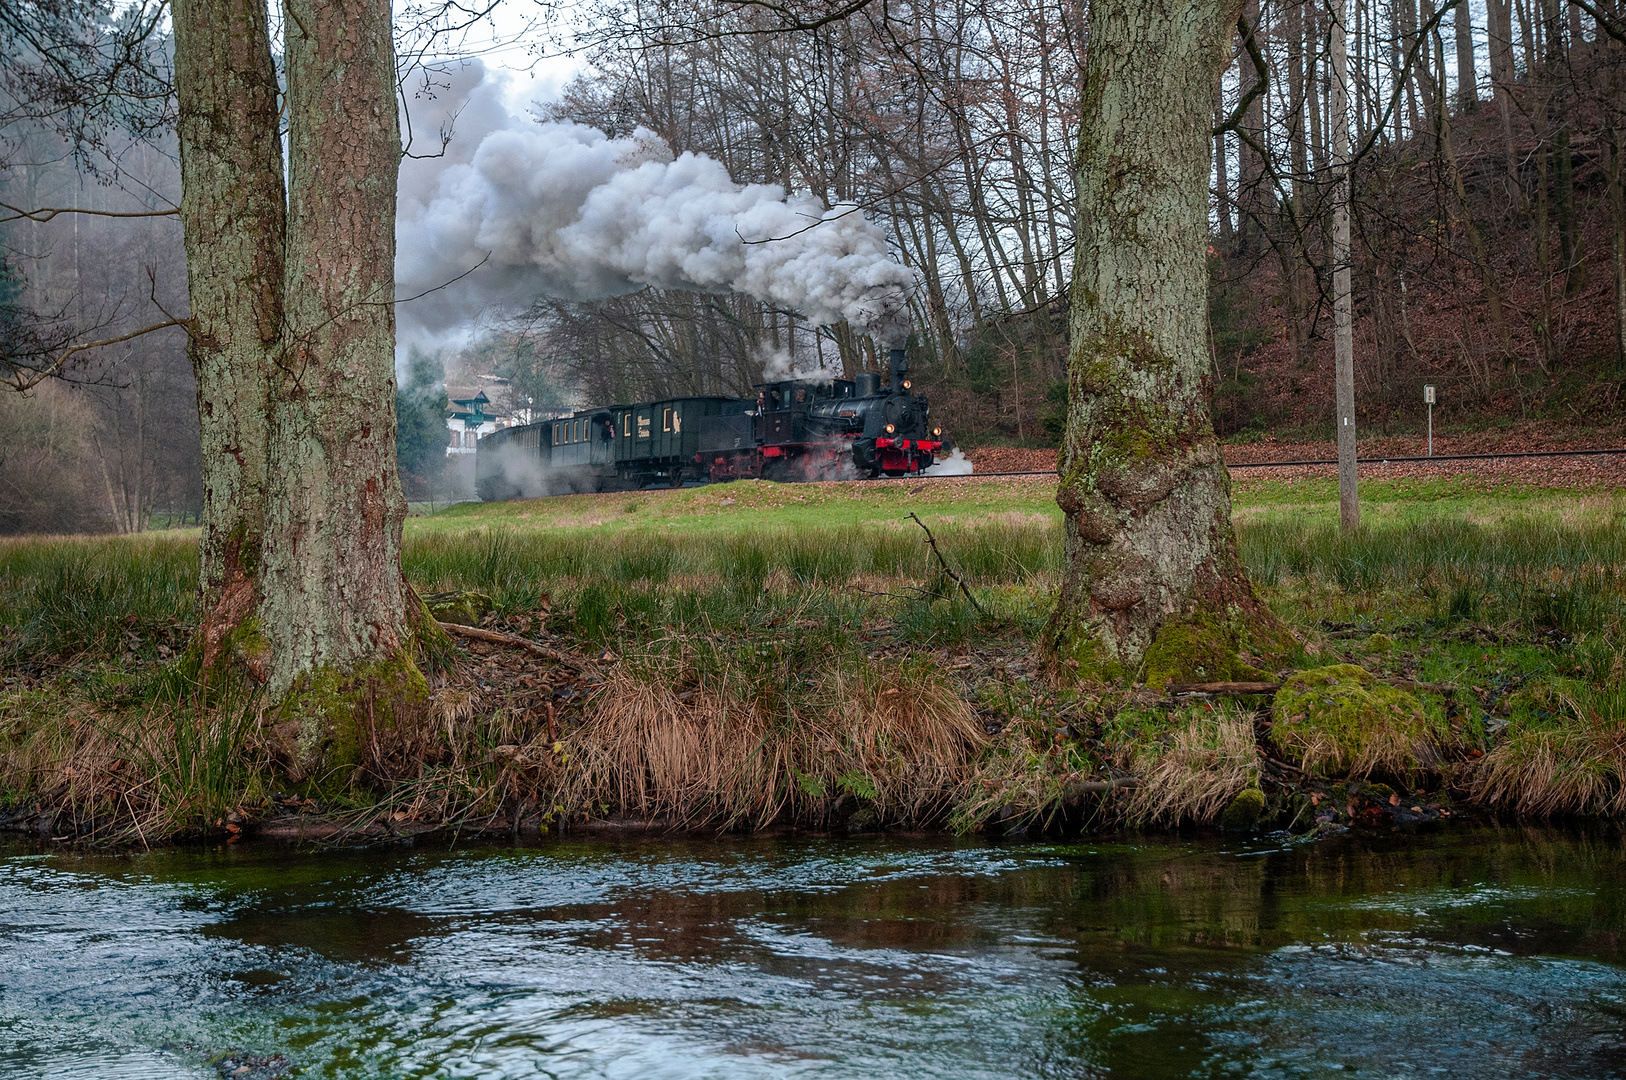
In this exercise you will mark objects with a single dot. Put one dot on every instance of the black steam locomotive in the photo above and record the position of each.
(795, 430)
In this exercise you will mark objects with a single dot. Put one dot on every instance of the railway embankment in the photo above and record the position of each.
(1530, 454)
(760, 655)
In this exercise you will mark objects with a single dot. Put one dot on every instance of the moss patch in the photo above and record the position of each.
(465, 607)
(339, 713)
(241, 656)
(1244, 811)
(1343, 721)
(1198, 648)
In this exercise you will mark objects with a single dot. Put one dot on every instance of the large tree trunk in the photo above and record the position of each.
(334, 605)
(232, 219)
(1252, 197)
(1154, 589)
(293, 341)
(1467, 78)
(1343, 343)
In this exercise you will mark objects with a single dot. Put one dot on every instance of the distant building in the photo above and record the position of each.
(471, 418)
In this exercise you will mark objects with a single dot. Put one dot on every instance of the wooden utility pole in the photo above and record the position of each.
(1343, 341)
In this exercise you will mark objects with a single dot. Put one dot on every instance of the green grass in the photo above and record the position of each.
(749, 505)
(1445, 552)
(776, 594)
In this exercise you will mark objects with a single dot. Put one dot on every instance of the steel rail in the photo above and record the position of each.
(1313, 461)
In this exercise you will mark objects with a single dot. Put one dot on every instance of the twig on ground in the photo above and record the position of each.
(1087, 787)
(932, 540)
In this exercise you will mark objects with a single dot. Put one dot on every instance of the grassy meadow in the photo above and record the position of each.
(753, 652)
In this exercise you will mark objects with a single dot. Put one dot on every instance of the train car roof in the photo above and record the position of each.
(801, 382)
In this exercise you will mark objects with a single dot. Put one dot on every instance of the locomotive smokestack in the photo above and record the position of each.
(900, 368)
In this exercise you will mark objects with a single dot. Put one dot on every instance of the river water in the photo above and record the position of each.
(1469, 952)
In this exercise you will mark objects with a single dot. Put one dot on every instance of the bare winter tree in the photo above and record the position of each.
(1154, 589)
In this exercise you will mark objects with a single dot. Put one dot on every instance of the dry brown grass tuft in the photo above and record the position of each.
(1199, 770)
(1574, 766)
(896, 738)
(136, 775)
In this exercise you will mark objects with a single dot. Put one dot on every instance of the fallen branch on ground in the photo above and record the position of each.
(497, 637)
(1265, 689)
(1089, 787)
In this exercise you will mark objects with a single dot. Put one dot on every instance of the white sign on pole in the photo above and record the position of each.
(1428, 399)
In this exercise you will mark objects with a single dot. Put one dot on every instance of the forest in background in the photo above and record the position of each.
(1488, 209)
(1487, 206)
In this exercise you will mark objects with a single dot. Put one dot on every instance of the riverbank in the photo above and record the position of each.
(756, 654)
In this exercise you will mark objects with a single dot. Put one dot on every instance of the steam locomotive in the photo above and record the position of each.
(796, 429)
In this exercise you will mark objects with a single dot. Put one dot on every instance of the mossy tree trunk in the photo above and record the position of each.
(232, 213)
(323, 617)
(334, 607)
(1154, 588)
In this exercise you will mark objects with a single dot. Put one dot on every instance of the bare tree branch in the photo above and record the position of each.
(24, 378)
(46, 213)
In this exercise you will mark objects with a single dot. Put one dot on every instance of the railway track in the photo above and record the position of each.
(1322, 461)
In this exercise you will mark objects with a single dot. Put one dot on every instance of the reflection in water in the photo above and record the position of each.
(1463, 954)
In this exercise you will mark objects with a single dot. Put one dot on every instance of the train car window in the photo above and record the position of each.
(626, 425)
(575, 431)
(677, 422)
(801, 393)
(666, 419)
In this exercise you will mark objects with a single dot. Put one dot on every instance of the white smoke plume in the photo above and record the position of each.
(524, 476)
(563, 210)
(777, 364)
(956, 464)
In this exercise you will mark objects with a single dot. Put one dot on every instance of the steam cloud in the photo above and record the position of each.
(956, 464)
(779, 364)
(563, 210)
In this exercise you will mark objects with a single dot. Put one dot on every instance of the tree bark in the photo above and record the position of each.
(1252, 197)
(1222, 172)
(232, 218)
(1154, 589)
(1467, 77)
(1563, 167)
(1424, 73)
(334, 606)
(293, 339)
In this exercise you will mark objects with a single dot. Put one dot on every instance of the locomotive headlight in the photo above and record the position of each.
(936, 431)
(890, 429)
(907, 384)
